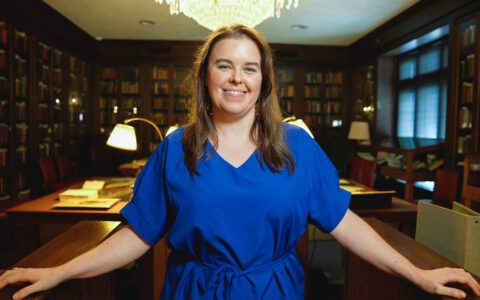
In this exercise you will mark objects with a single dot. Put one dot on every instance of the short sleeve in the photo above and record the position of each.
(147, 212)
(328, 203)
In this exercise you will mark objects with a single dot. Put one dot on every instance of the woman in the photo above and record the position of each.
(234, 190)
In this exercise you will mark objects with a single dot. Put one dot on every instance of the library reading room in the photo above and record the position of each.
(114, 113)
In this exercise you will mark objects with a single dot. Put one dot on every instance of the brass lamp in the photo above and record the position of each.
(123, 136)
(298, 122)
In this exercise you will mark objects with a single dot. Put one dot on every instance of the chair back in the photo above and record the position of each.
(471, 182)
(446, 187)
(48, 169)
(363, 171)
(64, 166)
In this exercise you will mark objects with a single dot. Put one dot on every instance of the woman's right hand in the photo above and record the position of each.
(40, 279)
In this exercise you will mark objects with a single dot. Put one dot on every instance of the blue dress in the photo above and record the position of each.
(234, 231)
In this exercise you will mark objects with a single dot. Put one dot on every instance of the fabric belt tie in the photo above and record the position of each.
(224, 275)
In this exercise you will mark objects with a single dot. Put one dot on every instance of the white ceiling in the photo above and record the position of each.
(329, 22)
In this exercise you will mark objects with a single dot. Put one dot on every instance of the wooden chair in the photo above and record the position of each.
(48, 170)
(445, 190)
(471, 182)
(363, 171)
(64, 166)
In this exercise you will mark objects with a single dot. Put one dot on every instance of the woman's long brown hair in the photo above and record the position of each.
(267, 130)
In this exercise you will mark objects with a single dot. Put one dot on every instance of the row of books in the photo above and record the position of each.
(102, 104)
(180, 74)
(160, 88)
(333, 92)
(131, 73)
(285, 76)
(313, 121)
(107, 117)
(159, 103)
(21, 153)
(334, 77)
(464, 144)
(73, 64)
(21, 87)
(20, 65)
(57, 58)
(20, 111)
(182, 103)
(286, 106)
(286, 91)
(313, 91)
(3, 32)
(313, 106)
(3, 64)
(43, 92)
(129, 87)
(57, 77)
(22, 184)
(160, 118)
(469, 35)
(467, 92)
(21, 133)
(43, 73)
(465, 118)
(3, 110)
(314, 77)
(3, 157)
(180, 89)
(3, 186)
(3, 85)
(467, 66)
(44, 52)
(108, 73)
(4, 134)
(160, 73)
(108, 87)
(21, 42)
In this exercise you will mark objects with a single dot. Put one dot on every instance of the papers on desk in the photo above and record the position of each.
(100, 203)
(78, 194)
(93, 185)
(352, 189)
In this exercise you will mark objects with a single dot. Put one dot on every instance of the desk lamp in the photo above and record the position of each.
(359, 131)
(298, 122)
(123, 136)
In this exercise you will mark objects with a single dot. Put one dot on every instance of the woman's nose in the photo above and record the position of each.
(236, 76)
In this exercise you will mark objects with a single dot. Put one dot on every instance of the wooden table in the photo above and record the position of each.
(409, 175)
(80, 238)
(364, 281)
(39, 211)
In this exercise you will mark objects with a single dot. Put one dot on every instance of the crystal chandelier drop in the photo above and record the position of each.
(215, 13)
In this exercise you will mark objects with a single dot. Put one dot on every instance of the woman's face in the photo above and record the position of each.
(234, 78)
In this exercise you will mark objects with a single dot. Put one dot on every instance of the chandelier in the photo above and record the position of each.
(215, 13)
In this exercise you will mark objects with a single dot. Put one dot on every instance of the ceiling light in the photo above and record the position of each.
(298, 27)
(146, 22)
(213, 14)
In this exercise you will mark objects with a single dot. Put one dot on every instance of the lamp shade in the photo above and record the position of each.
(123, 137)
(359, 131)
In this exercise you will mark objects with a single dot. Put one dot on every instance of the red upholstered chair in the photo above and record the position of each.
(363, 171)
(48, 170)
(446, 187)
(445, 190)
(64, 166)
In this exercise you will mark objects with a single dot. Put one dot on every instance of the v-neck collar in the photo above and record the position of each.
(226, 162)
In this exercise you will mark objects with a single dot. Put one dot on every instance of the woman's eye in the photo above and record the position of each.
(250, 69)
(224, 67)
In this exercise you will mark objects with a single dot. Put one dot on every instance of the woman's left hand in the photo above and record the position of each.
(434, 281)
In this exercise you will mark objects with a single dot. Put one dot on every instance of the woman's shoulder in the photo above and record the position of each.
(295, 134)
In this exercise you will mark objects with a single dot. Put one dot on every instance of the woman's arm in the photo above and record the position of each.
(118, 250)
(357, 236)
